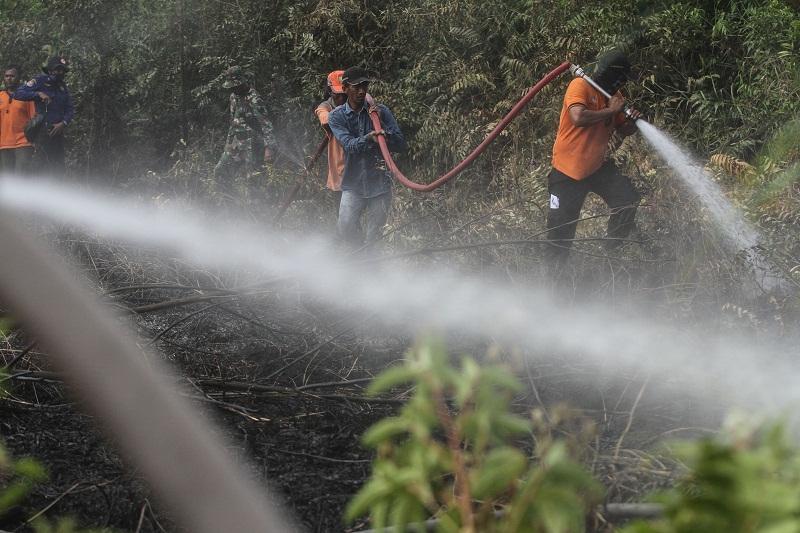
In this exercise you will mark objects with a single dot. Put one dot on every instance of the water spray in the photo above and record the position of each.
(730, 221)
(743, 372)
(736, 230)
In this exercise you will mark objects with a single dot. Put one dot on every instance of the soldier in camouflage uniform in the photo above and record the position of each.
(250, 136)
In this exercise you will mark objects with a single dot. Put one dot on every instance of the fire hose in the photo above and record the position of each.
(438, 182)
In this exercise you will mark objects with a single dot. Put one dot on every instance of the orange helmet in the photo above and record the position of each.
(335, 82)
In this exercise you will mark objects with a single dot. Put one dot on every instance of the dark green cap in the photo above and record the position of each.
(236, 76)
(614, 64)
(355, 76)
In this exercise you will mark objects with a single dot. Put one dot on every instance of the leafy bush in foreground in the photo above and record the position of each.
(449, 453)
(745, 484)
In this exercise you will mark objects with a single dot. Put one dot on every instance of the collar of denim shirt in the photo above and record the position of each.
(349, 110)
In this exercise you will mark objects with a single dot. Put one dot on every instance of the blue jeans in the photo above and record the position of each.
(351, 208)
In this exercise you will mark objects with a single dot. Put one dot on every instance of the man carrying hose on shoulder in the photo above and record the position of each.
(366, 182)
(579, 157)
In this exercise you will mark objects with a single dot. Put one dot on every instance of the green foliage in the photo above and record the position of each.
(63, 525)
(778, 165)
(19, 477)
(6, 324)
(725, 75)
(450, 453)
(746, 484)
(722, 75)
(4, 380)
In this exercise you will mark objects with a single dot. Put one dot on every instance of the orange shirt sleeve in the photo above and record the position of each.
(322, 113)
(577, 93)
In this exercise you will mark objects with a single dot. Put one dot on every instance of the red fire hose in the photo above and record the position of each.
(438, 182)
(387, 156)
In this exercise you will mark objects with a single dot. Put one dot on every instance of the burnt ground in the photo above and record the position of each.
(283, 375)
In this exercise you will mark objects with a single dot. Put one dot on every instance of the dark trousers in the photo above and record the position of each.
(52, 156)
(16, 161)
(566, 200)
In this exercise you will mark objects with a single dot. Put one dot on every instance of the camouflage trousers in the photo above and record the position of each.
(237, 164)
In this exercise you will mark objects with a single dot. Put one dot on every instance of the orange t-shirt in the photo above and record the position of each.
(14, 114)
(579, 152)
(335, 150)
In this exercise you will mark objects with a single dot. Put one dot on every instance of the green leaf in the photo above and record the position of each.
(390, 378)
(499, 471)
(500, 377)
(385, 430)
(31, 469)
(448, 522)
(14, 493)
(787, 525)
(512, 424)
(365, 498)
(406, 509)
(380, 513)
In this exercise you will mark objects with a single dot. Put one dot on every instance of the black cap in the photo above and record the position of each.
(355, 76)
(614, 64)
(55, 62)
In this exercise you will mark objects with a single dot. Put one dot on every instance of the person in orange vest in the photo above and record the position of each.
(16, 152)
(335, 96)
(579, 157)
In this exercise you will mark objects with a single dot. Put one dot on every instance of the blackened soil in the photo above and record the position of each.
(301, 441)
(305, 448)
(303, 444)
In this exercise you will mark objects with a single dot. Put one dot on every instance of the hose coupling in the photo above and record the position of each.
(577, 71)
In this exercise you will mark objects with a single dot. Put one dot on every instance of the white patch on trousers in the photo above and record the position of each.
(553, 201)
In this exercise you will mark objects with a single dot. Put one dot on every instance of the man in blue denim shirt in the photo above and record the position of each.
(366, 183)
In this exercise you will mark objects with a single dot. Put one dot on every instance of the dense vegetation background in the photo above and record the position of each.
(722, 75)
